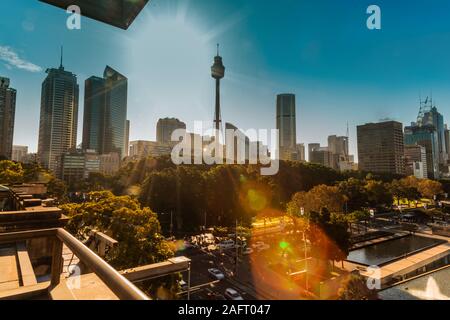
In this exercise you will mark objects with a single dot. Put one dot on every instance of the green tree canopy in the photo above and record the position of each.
(136, 229)
(11, 172)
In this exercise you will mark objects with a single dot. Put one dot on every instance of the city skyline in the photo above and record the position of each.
(330, 88)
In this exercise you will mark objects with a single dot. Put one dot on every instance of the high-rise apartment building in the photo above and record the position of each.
(105, 127)
(59, 116)
(7, 116)
(381, 147)
(165, 127)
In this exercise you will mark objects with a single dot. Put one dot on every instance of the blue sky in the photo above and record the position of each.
(320, 50)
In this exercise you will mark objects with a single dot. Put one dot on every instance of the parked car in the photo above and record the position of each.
(232, 294)
(247, 251)
(183, 285)
(226, 244)
(216, 274)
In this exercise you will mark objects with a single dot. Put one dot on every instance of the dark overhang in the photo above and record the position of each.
(118, 13)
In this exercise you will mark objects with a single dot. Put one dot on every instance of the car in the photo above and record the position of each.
(232, 294)
(216, 273)
(247, 251)
(226, 244)
(183, 285)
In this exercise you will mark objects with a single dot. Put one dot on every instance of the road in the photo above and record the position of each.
(202, 283)
(261, 275)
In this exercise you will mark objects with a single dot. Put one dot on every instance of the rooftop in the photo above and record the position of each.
(434, 285)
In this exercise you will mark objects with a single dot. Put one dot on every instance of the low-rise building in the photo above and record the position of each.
(109, 163)
(416, 161)
(19, 153)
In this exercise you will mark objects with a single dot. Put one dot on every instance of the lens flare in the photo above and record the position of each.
(283, 265)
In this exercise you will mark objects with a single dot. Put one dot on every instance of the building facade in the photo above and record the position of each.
(416, 161)
(141, 149)
(322, 156)
(427, 137)
(109, 163)
(105, 127)
(58, 118)
(164, 129)
(286, 125)
(19, 153)
(7, 117)
(77, 165)
(381, 147)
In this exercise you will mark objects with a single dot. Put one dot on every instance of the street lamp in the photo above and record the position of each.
(302, 213)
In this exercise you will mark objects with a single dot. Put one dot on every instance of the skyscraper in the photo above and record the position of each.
(381, 147)
(426, 136)
(165, 127)
(434, 118)
(286, 124)
(59, 116)
(127, 139)
(94, 114)
(7, 116)
(105, 113)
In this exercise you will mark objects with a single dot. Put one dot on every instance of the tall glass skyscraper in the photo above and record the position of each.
(105, 113)
(286, 124)
(59, 116)
(7, 116)
(434, 118)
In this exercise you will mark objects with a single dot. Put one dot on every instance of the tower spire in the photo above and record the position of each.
(218, 49)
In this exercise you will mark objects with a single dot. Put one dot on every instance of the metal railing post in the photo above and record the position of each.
(57, 262)
(189, 283)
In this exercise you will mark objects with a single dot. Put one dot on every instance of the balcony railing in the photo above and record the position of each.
(117, 283)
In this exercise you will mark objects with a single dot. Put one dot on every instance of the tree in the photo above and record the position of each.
(354, 287)
(406, 188)
(429, 188)
(58, 189)
(328, 234)
(355, 194)
(136, 229)
(319, 197)
(378, 194)
(11, 172)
